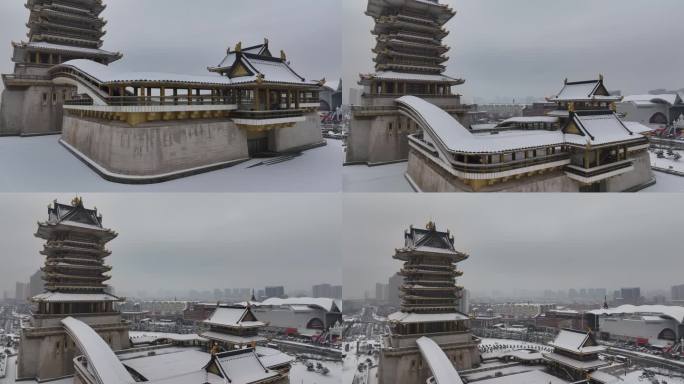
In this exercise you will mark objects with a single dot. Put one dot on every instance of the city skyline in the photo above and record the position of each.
(217, 241)
(522, 49)
(510, 239)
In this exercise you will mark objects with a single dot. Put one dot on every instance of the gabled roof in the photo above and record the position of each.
(75, 212)
(256, 63)
(234, 317)
(240, 366)
(577, 342)
(584, 90)
(598, 128)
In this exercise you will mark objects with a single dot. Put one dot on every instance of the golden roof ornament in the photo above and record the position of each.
(283, 56)
(571, 106)
(613, 107)
(215, 349)
(238, 47)
(601, 76)
(260, 78)
(322, 82)
(431, 226)
(76, 202)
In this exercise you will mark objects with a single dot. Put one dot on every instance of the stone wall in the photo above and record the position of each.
(430, 177)
(378, 140)
(50, 356)
(305, 134)
(642, 174)
(155, 148)
(409, 367)
(24, 111)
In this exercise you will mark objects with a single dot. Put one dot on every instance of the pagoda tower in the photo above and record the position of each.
(75, 274)
(410, 59)
(429, 308)
(59, 31)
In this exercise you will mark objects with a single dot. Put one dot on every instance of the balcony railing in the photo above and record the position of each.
(599, 171)
(265, 115)
(157, 100)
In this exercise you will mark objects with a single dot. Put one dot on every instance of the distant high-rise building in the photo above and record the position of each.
(36, 284)
(322, 290)
(678, 293)
(380, 292)
(21, 291)
(278, 291)
(337, 292)
(629, 296)
(395, 282)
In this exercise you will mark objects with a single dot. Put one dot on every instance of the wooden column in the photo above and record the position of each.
(162, 95)
(268, 99)
(189, 96)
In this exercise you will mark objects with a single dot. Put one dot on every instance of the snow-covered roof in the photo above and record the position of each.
(243, 366)
(271, 357)
(163, 365)
(103, 363)
(577, 364)
(60, 297)
(68, 48)
(529, 377)
(391, 75)
(233, 317)
(670, 99)
(403, 317)
(674, 312)
(148, 337)
(600, 129)
(329, 305)
(232, 339)
(576, 341)
(531, 119)
(584, 90)
(456, 138)
(110, 74)
(442, 369)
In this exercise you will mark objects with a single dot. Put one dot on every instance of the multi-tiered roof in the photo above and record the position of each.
(429, 292)
(409, 36)
(75, 269)
(68, 29)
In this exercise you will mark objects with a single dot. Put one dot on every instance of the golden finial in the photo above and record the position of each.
(283, 56)
(265, 41)
(431, 226)
(571, 106)
(76, 202)
(260, 78)
(238, 47)
(613, 107)
(215, 349)
(601, 76)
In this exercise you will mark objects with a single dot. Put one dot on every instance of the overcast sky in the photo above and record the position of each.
(508, 48)
(181, 36)
(192, 241)
(523, 241)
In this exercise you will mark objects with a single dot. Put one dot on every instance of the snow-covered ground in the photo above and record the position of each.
(381, 178)
(666, 183)
(300, 375)
(40, 164)
(668, 162)
(350, 369)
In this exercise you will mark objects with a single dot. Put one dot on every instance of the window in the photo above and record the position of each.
(45, 99)
(54, 98)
